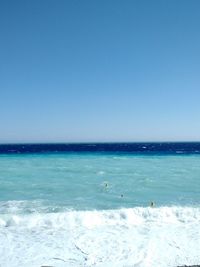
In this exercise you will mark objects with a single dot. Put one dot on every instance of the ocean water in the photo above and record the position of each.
(89, 205)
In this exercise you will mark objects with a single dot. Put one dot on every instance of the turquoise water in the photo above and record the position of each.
(99, 181)
(93, 209)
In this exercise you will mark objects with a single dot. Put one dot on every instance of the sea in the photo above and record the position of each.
(102, 205)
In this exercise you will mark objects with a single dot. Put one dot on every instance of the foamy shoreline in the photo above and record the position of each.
(106, 238)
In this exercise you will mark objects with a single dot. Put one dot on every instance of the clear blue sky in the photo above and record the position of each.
(99, 70)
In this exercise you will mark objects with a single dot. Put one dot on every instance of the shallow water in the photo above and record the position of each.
(53, 182)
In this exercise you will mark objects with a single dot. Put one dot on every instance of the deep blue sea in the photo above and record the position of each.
(108, 204)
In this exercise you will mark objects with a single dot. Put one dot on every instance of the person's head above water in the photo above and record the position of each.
(106, 184)
(152, 204)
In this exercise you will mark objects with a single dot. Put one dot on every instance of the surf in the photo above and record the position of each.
(124, 237)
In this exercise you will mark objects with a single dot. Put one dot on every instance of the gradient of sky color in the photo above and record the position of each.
(99, 70)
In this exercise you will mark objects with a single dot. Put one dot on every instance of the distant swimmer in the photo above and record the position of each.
(105, 184)
(152, 204)
(122, 195)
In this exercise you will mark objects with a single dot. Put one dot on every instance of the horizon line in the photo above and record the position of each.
(94, 142)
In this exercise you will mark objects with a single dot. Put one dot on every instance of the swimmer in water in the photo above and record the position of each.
(105, 184)
(152, 204)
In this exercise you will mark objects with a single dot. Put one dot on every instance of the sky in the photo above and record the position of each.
(99, 70)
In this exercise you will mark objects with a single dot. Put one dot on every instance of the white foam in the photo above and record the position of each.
(142, 237)
(101, 173)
